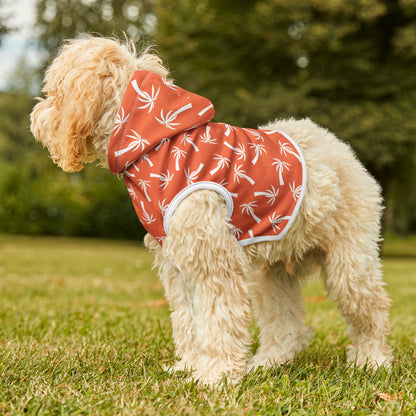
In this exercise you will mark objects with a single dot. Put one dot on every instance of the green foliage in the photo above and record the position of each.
(4, 27)
(38, 198)
(61, 19)
(84, 330)
(349, 66)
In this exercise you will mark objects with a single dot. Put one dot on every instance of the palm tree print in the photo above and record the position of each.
(275, 220)
(143, 185)
(206, 137)
(280, 167)
(258, 150)
(187, 138)
(191, 177)
(145, 158)
(132, 193)
(240, 150)
(163, 206)
(221, 164)
(169, 84)
(236, 232)
(129, 174)
(165, 178)
(285, 149)
(240, 174)
(296, 190)
(228, 129)
(120, 120)
(177, 154)
(165, 140)
(249, 209)
(270, 193)
(145, 97)
(256, 134)
(137, 143)
(148, 219)
(168, 120)
(204, 110)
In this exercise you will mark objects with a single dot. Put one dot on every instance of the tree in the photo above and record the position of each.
(4, 28)
(350, 66)
(61, 19)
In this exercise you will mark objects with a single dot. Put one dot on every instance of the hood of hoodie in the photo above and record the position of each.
(153, 110)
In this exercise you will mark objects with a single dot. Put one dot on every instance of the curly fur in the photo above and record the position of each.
(211, 281)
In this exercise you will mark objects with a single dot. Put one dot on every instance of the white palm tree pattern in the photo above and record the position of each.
(206, 137)
(120, 120)
(138, 143)
(163, 206)
(236, 232)
(146, 158)
(144, 186)
(280, 167)
(275, 221)
(191, 177)
(249, 209)
(164, 178)
(169, 84)
(177, 154)
(131, 193)
(271, 194)
(168, 120)
(228, 129)
(258, 150)
(256, 134)
(239, 173)
(260, 173)
(296, 190)
(148, 218)
(187, 139)
(147, 98)
(240, 151)
(163, 141)
(286, 148)
(221, 164)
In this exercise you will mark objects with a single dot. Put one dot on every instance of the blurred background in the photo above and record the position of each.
(348, 65)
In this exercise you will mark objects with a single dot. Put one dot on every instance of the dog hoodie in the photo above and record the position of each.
(166, 147)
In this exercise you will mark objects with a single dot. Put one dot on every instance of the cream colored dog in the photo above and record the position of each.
(210, 280)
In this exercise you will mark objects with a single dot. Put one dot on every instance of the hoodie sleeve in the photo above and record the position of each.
(153, 109)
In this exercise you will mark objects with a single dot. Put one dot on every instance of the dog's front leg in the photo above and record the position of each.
(213, 268)
(179, 292)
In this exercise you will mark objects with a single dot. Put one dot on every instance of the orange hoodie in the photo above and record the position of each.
(166, 147)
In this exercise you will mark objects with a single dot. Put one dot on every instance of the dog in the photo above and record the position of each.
(215, 269)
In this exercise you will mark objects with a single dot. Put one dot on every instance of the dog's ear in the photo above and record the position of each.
(83, 89)
(79, 107)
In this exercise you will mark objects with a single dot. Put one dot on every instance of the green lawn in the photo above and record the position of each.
(84, 330)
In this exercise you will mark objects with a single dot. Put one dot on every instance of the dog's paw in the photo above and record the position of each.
(371, 357)
(271, 359)
(181, 365)
(214, 379)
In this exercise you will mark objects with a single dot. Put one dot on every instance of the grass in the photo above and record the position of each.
(84, 330)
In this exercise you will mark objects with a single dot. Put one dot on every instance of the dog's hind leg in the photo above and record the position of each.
(352, 277)
(209, 259)
(278, 306)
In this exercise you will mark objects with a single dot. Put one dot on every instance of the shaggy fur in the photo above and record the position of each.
(211, 282)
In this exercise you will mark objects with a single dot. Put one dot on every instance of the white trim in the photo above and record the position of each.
(211, 186)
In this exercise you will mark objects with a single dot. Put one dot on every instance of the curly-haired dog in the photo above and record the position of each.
(225, 236)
